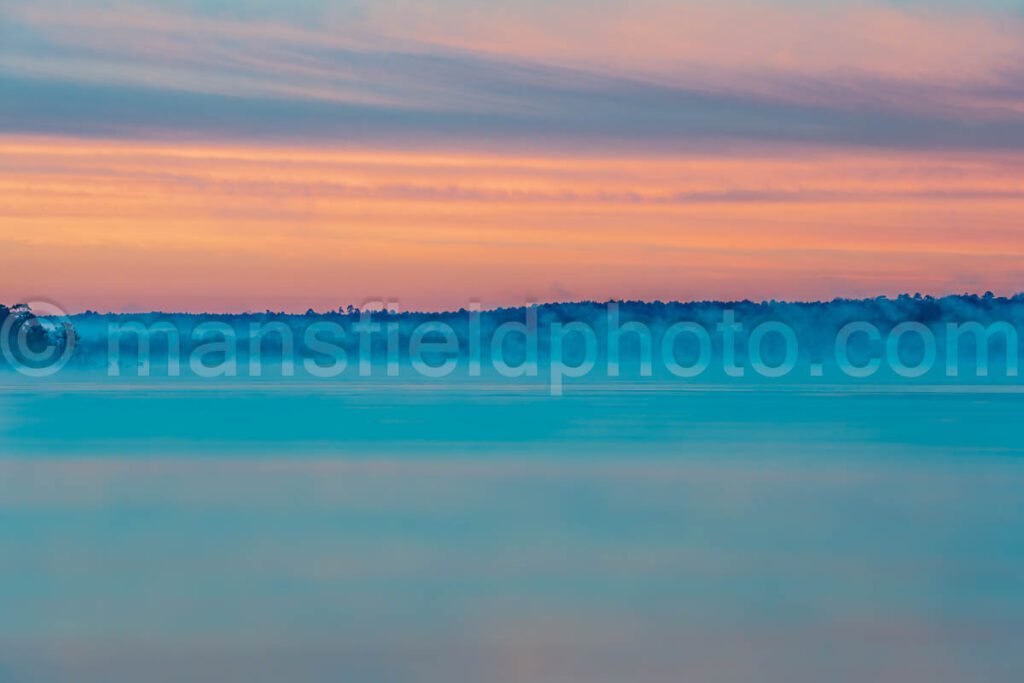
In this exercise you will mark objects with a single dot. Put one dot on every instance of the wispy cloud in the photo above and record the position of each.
(654, 74)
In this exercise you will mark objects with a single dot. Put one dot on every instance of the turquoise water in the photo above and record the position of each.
(177, 532)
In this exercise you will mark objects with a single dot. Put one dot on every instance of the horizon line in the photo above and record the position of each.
(386, 307)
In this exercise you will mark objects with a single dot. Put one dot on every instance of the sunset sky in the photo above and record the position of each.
(229, 156)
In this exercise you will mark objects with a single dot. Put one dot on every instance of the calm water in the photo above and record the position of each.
(406, 533)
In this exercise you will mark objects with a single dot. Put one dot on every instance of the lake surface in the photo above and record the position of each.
(289, 532)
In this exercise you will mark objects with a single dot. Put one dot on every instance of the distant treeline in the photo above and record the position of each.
(634, 336)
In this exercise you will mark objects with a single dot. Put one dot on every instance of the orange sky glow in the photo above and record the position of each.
(247, 228)
(199, 156)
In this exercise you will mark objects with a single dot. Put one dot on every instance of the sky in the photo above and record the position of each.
(199, 155)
